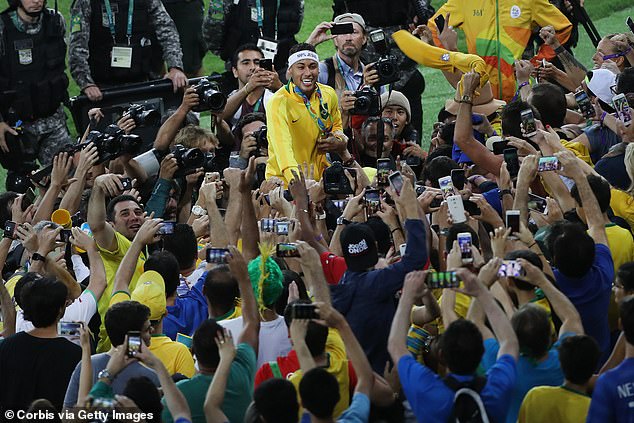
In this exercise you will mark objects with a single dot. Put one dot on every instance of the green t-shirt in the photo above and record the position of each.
(238, 393)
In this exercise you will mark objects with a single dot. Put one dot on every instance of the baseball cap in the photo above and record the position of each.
(150, 290)
(396, 98)
(350, 17)
(600, 82)
(359, 247)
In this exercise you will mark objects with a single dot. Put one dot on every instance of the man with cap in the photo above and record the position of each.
(396, 107)
(365, 295)
(303, 118)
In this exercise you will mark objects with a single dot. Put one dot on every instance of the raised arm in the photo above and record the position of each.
(526, 175)
(62, 164)
(413, 289)
(218, 235)
(105, 186)
(173, 124)
(250, 314)
(298, 336)
(216, 392)
(233, 216)
(72, 198)
(85, 376)
(249, 226)
(98, 281)
(313, 272)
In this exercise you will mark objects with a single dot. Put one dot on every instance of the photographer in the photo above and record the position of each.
(251, 140)
(396, 107)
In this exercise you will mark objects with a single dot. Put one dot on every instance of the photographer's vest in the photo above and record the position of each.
(280, 20)
(379, 13)
(32, 77)
(135, 33)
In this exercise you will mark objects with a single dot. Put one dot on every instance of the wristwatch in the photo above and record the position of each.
(321, 216)
(466, 98)
(504, 192)
(38, 257)
(198, 210)
(343, 221)
(105, 374)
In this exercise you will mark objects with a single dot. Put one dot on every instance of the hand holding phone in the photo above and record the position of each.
(441, 280)
(134, 343)
(464, 242)
(217, 255)
(513, 220)
(286, 250)
(396, 182)
(342, 28)
(529, 127)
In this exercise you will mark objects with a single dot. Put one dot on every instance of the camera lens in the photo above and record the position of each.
(214, 100)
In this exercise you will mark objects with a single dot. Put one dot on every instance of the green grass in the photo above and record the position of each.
(608, 17)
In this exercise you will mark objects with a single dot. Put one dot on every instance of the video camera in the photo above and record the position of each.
(143, 117)
(261, 139)
(190, 159)
(387, 65)
(209, 96)
(335, 180)
(367, 102)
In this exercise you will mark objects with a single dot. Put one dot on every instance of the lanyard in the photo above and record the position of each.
(111, 20)
(260, 13)
(341, 72)
(319, 120)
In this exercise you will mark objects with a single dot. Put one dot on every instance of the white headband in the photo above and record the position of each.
(302, 55)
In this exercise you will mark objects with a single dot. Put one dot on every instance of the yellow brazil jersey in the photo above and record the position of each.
(499, 31)
(294, 131)
(622, 205)
(620, 243)
(554, 404)
(174, 355)
(111, 262)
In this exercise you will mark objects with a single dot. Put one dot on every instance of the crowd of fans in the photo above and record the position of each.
(330, 268)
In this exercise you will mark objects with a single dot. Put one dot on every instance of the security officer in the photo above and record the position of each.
(271, 24)
(112, 41)
(391, 16)
(33, 86)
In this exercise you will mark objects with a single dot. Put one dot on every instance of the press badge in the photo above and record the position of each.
(121, 57)
(268, 47)
(25, 51)
(254, 14)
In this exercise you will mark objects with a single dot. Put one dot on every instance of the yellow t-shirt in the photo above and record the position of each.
(553, 404)
(620, 243)
(293, 132)
(174, 355)
(623, 205)
(111, 262)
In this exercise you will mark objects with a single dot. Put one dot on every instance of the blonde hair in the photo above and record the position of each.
(192, 135)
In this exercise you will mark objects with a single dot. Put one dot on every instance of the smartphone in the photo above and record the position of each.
(267, 64)
(287, 250)
(342, 28)
(420, 189)
(510, 269)
(456, 209)
(440, 23)
(513, 220)
(383, 168)
(134, 343)
(372, 201)
(126, 183)
(396, 182)
(402, 248)
(446, 186)
(436, 280)
(528, 123)
(500, 146)
(188, 341)
(217, 255)
(548, 163)
(304, 311)
(68, 328)
(64, 235)
(585, 105)
(623, 109)
(167, 228)
(630, 23)
(512, 161)
(535, 202)
(9, 229)
(464, 242)
(267, 225)
(281, 227)
(458, 178)
(28, 198)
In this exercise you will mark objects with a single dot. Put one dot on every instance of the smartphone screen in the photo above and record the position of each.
(126, 183)
(304, 311)
(372, 201)
(281, 227)
(396, 182)
(134, 343)
(68, 328)
(342, 28)
(512, 161)
(585, 105)
(9, 229)
(513, 220)
(287, 250)
(622, 107)
(383, 168)
(510, 269)
(535, 202)
(464, 242)
(458, 178)
(267, 225)
(217, 255)
(446, 186)
(436, 280)
(167, 228)
(528, 121)
(547, 164)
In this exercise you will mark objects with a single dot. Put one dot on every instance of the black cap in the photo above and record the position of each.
(359, 247)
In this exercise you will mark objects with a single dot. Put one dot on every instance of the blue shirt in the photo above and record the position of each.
(352, 79)
(613, 396)
(432, 400)
(359, 410)
(367, 299)
(187, 313)
(590, 295)
(600, 139)
(529, 373)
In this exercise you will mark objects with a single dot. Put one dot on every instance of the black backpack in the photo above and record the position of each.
(467, 404)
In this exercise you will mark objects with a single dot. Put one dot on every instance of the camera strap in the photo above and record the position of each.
(259, 10)
(111, 20)
(324, 115)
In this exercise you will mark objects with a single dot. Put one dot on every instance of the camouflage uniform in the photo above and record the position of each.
(44, 137)
(161, 23)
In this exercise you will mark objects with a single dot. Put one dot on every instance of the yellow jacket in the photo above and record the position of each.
(293, 133)
(499, 31)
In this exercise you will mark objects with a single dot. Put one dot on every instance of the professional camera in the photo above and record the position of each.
(261, 141)
(335, 180)
(387, 65)
(112, 143)
(209, 97)
(190, 159)
(143, 117)
(367, 102)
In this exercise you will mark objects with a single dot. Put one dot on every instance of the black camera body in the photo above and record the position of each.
(387, 65)
(112, 143)
(367, 103)
(261, 139)
(143, 117)
(209, 97)
(335, 180)
(190, 159)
